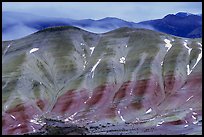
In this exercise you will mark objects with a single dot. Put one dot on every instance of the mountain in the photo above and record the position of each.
(183, 14)
(28, 24)
(181, 24)
(126, 81)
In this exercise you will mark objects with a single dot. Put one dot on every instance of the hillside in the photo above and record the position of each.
(127, 75)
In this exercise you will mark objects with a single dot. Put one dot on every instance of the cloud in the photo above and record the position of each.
(95, 29)
(130, 11)
(17, 31)
(104, 30)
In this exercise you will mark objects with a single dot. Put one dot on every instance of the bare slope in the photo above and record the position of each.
(125, 75)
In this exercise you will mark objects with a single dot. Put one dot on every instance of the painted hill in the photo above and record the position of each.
(127, 75)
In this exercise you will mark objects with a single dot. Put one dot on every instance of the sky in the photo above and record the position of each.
(129, 11)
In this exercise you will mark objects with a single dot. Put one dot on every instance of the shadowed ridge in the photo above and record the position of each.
(57, 28)
(140, 32)
(67, 28)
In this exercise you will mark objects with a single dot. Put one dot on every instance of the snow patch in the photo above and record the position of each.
(199, 44)
(148, 111)
(185, 45)
(94, 67)
(33, 50)
(168, 44)
(198, 59)
(122, 60)
(121, 116)
(92, 49)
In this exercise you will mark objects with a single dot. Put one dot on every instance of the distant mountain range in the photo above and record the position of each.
(181, 24)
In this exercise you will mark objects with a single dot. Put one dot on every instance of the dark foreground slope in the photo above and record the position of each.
(127, 81)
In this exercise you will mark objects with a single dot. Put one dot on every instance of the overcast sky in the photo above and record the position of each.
(130, 11)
